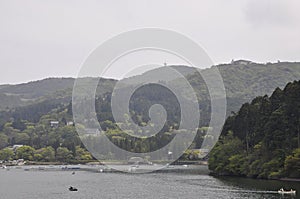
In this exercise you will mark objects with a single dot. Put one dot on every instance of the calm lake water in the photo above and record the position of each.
(20, 184)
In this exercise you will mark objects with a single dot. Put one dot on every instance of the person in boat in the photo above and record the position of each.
(283, 191)
(72, 189)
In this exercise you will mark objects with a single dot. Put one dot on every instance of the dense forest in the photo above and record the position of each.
(27, 110)
(262, 140)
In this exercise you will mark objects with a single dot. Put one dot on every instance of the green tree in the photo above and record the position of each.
(22, 138)
(6, 154)
(292, 164)
(70, 138)
(224, 156)
(82, 154)
(63, 154)
(268, 129)
(25, 152)
(10, 132)
(3, 140)
(46, 154)
(30, 131)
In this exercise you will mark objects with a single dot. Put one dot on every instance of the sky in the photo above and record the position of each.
(48, 38)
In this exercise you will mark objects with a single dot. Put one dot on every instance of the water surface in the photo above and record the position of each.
(20, 184)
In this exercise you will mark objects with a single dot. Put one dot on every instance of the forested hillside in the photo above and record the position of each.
(28, 109)
(13, 96)
(262, 140)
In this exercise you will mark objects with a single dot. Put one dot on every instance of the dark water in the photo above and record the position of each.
(20, 184)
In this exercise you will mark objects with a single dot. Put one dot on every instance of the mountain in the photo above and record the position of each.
(39, 88)
(35, 92)
(243, 80)
(27, 109)
(262, 140)
(162, 73)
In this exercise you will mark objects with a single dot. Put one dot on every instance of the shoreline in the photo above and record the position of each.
(183, 162)
(99, 167)
(116, 168)
(285, 179)
(290, 179)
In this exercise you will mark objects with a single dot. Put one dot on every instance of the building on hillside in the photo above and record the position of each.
(54, 124)
(16, 146)
(70, 123)
(241, 62)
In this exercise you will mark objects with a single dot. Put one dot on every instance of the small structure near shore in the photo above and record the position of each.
(137, 160)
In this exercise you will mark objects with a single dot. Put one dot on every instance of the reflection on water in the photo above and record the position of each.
(17, 183)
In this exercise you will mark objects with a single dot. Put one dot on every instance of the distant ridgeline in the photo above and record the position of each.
(262, 139)
(39, 113)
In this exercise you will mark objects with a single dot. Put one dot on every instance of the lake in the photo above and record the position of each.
(20, 184)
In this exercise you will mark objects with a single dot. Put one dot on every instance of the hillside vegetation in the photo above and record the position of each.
(262, 140)
(26, 110)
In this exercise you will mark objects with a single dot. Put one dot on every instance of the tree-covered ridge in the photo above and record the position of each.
(49, 100)
(262, 140)
(15, 96)
(243, 81)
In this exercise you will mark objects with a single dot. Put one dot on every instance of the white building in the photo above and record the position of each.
(54, 124)
(16, 146)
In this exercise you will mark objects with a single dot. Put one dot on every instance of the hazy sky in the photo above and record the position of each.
(53, 38)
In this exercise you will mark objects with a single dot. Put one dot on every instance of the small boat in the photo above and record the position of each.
(282, 191)
(72, 188)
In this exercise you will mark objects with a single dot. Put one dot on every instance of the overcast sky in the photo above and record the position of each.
(53, 38)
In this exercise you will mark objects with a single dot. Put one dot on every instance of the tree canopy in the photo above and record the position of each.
(262, 139)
